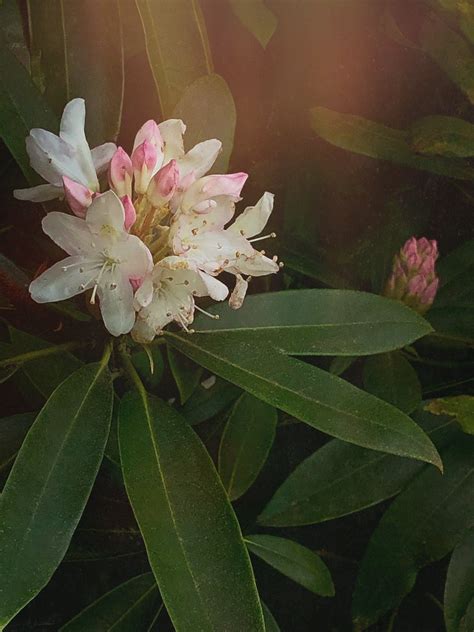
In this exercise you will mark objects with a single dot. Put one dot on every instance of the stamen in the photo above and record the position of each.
(269, 236)
(97, 281)
(213, 316)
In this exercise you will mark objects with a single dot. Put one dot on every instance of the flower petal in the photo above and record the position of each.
(200, 158)
(102, 155)
(142, 332)
(215, 288)
(106, 215)
(72, 131)
(65, 279)
(258, 265)
(116, 302)
(211, 186)
(41, 193)
(77, 196)
(69, 232)
(172, 132)
(135, 258)
(51, 157)
(254, 218)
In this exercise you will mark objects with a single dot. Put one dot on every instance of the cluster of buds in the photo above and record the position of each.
(158, 239)
(413, 278)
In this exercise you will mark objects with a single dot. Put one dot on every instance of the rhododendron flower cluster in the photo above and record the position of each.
(158, 238)
(413, 279)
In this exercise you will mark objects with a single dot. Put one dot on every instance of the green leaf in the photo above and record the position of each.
(206, 403)
(141, 361)
(422, 525)
(257, 18)
(270, 624)
(443, 136)
(456, 274)
(340, 479)
(293, 560)
(392, 378)
(465, 14)
(186, 373)
(130, 606)
(50, 483)
(361, 136)
(326, 322)
(451, 52)
(77, 51)
(175, 67)
(459, 589)
(461, 407)
(322, 400)
(12, 432)
(208, 108)
(192, 536)
(339, 365)
(246, 441)
(21, 108)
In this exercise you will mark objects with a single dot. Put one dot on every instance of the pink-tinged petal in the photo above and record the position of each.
(102, 155)
(77, 196)
(239, 292)
(429, 294)
(144, 162)
(130, 212)
(416, 285)
(41, 193)
(120, 173)
(106, 215)
(211, 186)
(163, 184)
(150, 132)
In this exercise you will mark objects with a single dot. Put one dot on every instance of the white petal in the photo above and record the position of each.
(51, 157)
(254, 218)
(69, 232)
(258, 265)
(106, 215)
(144, 294)
(65, 279)
(41, 193)
(142, 332)
(102, 155)
(200, 158)
(238, 294)
(215, 250)
(172, 132)
(135, 258)
(116, 302)
(215, 288)
(72, 131)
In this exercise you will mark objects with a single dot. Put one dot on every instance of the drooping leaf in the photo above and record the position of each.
(130, 606)
(293, 560)
(459, 589)
(461, 407)
(361, 136)
(246, 441)
(340, 479)
(326, 322)
(443, 136)
(450, 51)
(192, 536)
(208, 108)
(270, 624)
(175, 67)
(186, 373)
(77, 51)
(423, 524)
(257, 18)
(208, 401)
(392, 378)
(49, 484)
(21, 108)
(12, 432)
(306, 392)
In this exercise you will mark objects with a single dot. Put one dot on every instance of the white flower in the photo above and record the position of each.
(200, 237)
(103, 257)
(65, 155)
(167, 295)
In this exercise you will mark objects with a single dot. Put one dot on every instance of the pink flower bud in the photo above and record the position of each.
(413, 279)
(77, 196)
(120, 173)
(130, 213)
(163, 184)
(149, 132)
(144, 161)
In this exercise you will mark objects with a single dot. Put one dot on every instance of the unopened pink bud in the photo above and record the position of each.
(144, 159)
(163, 184)
(78, 196)
(120, 173)
(430, 292)
(130, 213)
(149, 132)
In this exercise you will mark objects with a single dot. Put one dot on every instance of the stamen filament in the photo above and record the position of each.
(213, 316)
(270, 235)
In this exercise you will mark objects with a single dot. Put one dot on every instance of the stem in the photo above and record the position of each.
(452, 338)
(40, 353)
(131, 370)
